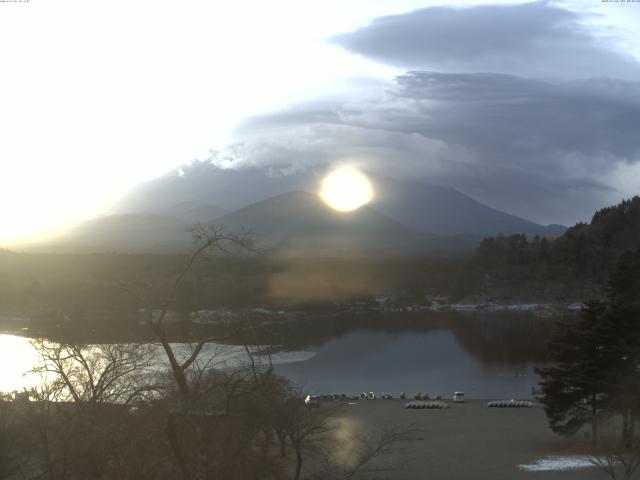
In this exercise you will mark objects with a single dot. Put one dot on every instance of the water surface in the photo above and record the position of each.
(432, 362)
(486, 356)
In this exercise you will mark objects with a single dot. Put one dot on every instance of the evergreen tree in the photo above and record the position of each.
(595, 360)
(576, 385)
(623, 315)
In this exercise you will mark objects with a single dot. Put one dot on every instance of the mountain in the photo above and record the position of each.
(405, 217)
(292, 224)
(300, 223)
(428, 208)
(190, 211)
(446, 211)
(121, 233)
(204, 184)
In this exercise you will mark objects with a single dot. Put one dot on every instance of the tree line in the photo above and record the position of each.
(578, 260)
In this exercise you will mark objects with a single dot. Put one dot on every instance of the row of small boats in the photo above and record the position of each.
(369, 396)
(510, 404)
(420, 400)
(420, 404)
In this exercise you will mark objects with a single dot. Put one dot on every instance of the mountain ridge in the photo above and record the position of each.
(429, 208)
(291, 224)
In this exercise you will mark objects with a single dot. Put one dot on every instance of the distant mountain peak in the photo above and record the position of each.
(440, 210)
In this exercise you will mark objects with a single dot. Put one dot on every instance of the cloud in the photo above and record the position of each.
(547, 151)
(537, 39)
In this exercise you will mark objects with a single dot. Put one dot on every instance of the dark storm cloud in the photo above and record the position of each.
(504, 116)
(544, 135)
(534, 39)
(538, 149)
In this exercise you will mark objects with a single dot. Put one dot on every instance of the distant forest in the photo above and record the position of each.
(575, 263)
(511, 268)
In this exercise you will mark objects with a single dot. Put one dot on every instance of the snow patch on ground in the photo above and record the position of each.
(291, 357)
(548, 464)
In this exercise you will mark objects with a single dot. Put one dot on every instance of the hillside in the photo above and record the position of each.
(446, 211)
(290, 224)
(121, 233)
(190, 211)
(300, 223)
(582, 257)
(434, 209)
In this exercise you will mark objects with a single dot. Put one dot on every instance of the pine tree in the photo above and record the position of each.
(623, 315)
(595, 360)
(576, 386)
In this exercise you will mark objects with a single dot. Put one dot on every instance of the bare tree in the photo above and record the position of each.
(78, 420)
(318, 439)
(617, 455)
(197, 422)
(207, 420)
(308, 431)
(37, 416)
(10, 439)
(89, 374)
(366, 450)
(193, 419)
(207, 238)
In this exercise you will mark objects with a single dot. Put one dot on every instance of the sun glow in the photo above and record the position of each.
(17, 357)
(346, 189)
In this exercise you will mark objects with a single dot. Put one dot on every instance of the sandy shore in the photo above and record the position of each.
(468, 441)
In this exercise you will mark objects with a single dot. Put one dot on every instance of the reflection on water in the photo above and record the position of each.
(16, 358)
(503, 338)
(432, 362)
(486, 356)
(233, 356)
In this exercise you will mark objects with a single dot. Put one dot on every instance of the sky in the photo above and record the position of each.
(531, 108)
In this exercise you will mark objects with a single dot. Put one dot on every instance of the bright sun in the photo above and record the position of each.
(346, 189)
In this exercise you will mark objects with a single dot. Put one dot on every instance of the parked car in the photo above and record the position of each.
(458, 397)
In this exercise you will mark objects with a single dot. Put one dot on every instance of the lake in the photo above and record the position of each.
(432, 362)
(486, 356)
